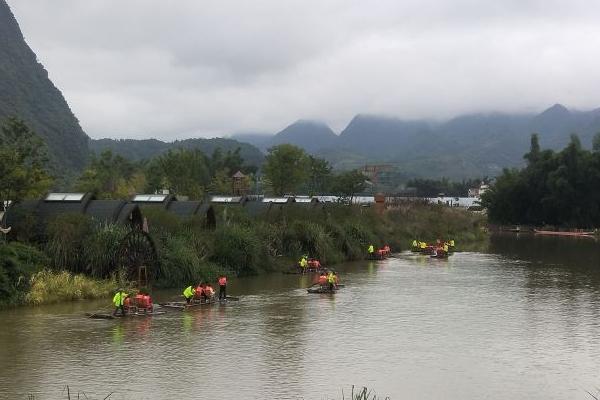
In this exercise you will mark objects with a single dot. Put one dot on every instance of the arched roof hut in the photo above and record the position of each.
(137, 252)
(204, 212)
(37, 213)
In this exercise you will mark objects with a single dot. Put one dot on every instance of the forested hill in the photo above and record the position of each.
(136, 150)
(28, 94)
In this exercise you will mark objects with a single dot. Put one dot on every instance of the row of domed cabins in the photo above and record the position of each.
(137, 250)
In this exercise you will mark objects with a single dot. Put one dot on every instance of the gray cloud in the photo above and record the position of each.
(149, 68)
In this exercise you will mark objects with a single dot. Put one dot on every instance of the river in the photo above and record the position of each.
(519, 320)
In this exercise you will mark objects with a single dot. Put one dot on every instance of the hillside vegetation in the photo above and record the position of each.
(28, 94)
(137, 150)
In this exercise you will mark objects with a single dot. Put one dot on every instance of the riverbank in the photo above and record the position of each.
(75, 259)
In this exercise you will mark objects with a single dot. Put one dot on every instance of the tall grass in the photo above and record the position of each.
(55, 286)
(238, 249)
(183, 262)
(362, 394)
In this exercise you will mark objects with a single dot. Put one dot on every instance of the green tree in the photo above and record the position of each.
(23, 163)
(182, 171)
(534, 150)
(286, 168)
(348, 184)
(110, 176)
(319, 175)
(221, 183)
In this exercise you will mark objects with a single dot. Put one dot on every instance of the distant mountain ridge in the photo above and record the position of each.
(137, 150)
(466, 146)
(28, 94)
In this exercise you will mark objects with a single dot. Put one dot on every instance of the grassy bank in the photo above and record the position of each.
(56, 286)
(78, 260)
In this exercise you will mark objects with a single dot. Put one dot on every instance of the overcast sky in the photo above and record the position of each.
(189, 68)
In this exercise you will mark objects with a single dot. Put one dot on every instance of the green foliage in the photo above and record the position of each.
(238, 249)
(555, 188)
(286, 168)
(183, 172)
(23, 163)
(319, 176)
(67, 234)
(182, 262)
(17, 263)
(314, 240)
(138, 150)
(348, 184)
(110, 176)
(427, 222)
(26, 92)
(100, 249)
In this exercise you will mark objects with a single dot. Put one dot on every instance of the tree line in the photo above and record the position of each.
(24, 171)
(555, 188)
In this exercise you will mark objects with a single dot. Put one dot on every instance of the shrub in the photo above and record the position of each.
(17, 263)
(237, 248)
(101, 248)
(66, 236)
(182, 262)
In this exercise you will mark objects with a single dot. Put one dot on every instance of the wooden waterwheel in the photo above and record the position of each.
(138, 258)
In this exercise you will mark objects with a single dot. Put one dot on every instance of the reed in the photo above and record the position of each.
(362, 394)
(49, 286)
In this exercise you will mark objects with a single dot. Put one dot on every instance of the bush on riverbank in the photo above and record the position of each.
(243, 244)
(428, 222)
(17, 262)
(55, 286)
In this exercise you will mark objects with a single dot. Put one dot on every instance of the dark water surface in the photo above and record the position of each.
(520, 321)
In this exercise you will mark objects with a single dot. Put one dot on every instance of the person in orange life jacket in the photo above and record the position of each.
(222, 287)
(209, 292)
(323, 279)
(200, 291)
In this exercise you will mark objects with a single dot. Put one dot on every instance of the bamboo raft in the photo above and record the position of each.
(322, 290)
(111, 316)
(182, 305)
(565, 233)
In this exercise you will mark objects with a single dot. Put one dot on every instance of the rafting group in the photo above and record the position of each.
(141, 303)
(438, 249)
(380, 253)
(327, 282)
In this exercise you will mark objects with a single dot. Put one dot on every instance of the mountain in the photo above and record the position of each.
(310, 135)
(467, 146)
(136, 150)
(384, 137)
(27, 93)
(256, 139)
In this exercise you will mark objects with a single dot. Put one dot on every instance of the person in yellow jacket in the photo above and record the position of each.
(189, 293)
(446, 248)
(303, 263)
(452, 243)
(371, 250)
(415, 244)
(331, 280)
(423, 245)
(119, 301)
